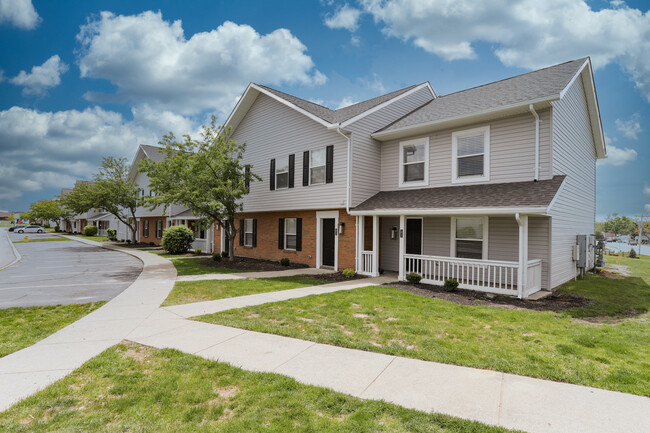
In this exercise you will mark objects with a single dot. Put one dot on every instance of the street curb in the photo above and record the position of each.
(17, 255)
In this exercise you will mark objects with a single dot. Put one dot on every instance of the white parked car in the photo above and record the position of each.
(30, 229)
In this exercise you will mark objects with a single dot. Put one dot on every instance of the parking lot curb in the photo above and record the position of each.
(17, 255)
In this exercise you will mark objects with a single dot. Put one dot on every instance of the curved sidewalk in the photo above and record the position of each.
(31, 369)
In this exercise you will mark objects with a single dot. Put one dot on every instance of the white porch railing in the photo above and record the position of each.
(366, 263)
(481, 275)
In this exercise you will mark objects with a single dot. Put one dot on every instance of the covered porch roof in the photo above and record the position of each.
(498, 198)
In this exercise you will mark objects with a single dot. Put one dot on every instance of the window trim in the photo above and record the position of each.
(324, 149)
(486, 228)
(486, 154)
(416, 141)
(159, 230)
(286, 233)
(251, 232)
(145, 228)
(277, 172)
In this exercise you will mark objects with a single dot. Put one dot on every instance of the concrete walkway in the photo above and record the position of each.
(265, 274)
(31, 369)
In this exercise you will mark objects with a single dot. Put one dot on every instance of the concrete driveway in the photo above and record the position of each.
(65, 272)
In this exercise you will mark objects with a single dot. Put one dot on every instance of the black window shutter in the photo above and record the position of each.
(255, 232)
(329, 164)
(281, 234)
(241, 232)
(272, 174)
(305, 168)
(292, 169)
(298, 234)
(247, 175)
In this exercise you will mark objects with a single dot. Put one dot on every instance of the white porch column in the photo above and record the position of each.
(522, 269)
(375, 246)
(359, 245)
(402, 246)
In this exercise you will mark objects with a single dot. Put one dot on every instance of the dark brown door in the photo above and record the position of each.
(413, 236)
(329, 226)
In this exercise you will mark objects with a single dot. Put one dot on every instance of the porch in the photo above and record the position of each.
(503, 253)
(203, 235)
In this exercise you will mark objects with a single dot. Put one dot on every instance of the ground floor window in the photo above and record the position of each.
(248, 232)
(197, 228)
(145, 228)
(469, 237)
(290, 234)
(159, 228)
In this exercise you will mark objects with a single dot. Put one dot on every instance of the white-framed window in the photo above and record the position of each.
(470, 155)
(248, 232)
(317, 162)
(469, 238)
(282, 173)
(290, 233)
(145, 228)
(159, 229)
(414, 162)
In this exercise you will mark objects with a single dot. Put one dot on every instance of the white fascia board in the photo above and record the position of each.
(295, 107)
(541, 210)
(468, 118)
(237, 105)
(139, 154)
(385, 104)
(575, 77)
(557, 194)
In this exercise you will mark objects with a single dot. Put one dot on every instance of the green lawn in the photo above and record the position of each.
(190, 266)
(22, 327)
(556, 346)
(185, 292)
(94, 238)
(163, 253)
(42, 240)
(132, 388)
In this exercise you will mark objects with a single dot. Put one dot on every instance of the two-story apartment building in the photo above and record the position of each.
(490, 185)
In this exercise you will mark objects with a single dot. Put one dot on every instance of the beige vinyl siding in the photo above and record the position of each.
(512, 152)
(574, 210)
(503, 239)
(388, 248)
(366, 152)
(142, 181)
(270, 130)
(539, 245)
(436, 236)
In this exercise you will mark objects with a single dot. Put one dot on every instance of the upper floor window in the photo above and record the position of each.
(282, 173)
(317, 166)
(414, 162)
(470, 155)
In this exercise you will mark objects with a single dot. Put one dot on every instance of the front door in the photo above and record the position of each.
(413, 236)
(327, 253)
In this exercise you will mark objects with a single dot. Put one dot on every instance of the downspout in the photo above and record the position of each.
(532, 110)
(348, 137)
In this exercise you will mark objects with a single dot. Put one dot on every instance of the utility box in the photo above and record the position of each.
(583, 252)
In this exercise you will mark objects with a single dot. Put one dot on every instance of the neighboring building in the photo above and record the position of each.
(490, 185)
(5, 216)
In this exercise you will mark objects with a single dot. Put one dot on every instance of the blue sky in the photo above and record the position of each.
(82, 80)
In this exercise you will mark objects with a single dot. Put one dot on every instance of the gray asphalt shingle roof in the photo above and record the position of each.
(495, 195)
(152, 152)
(342, 114)
(522, 88)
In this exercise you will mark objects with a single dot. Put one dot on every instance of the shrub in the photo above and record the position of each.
(90, 231)
(152, 244)
(285, 261)
(413, 278)
(46, 225)
(122, 240)
(57, 229)
(224, 254)
(177, 239)
(632, 254)
(128, 241)
(216, 257)
(348, 273)
(451, 284)
(112, 234)
(198, 251)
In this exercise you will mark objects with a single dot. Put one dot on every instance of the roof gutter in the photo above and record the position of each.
(348, 137)
(533, 210)
(532, 110)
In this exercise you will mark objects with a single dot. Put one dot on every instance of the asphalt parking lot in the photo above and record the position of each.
(64, 272)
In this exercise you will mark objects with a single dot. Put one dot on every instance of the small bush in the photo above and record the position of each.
(46, 225)
(128, 241)
(152, 244)
(451, 284)
(224, 254)
(57, 229)
(122, 240)
(413, 278)
(112, 234)
(632, 254)
(216, 257)
(90, 231)
(285, 261)
(177, 239)
(198, 251)
(348, 273)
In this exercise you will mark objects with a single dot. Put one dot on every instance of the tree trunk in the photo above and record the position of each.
(231, 241)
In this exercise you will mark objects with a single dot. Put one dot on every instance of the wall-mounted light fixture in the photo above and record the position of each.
(341, 228)
(393, 233)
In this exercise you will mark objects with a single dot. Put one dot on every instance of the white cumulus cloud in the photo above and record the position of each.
(19, 13)
(617, 156)
(646, 189)
(345, 17)
(630, 128)
(525, 33)
(41, 77)
(152, 62)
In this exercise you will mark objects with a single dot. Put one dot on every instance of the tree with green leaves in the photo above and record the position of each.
(204, 175)
(111, 191)
(619, 224)
(46, 210)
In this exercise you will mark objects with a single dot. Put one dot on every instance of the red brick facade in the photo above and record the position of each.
(267, 238)
(152, 229)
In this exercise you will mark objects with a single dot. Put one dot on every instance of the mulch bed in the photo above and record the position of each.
(249, 264)
(334, 277)
(556, 301)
